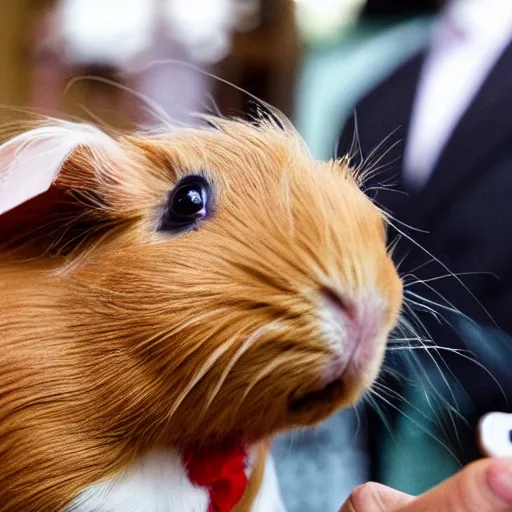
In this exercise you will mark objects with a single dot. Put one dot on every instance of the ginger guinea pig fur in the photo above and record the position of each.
(177, 289)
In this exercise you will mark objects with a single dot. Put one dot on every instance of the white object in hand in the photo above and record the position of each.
(495, 434)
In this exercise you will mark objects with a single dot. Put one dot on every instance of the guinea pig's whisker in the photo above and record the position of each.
(374, 170)
(422, 265)
(464, 354)
(400, 263)
(434, 347)
(355, 144)
(215, 108)
(429, 305)
(370, 397)
(374, 153)
(445, 267)
(441, 411)
(451, 409)
(246, 345)
(270, 114)
(387, 188)
(416, 423)
(406, 323)
(363, 172)
(358, 420)
(444, 276)
(210, 362)
(409, 303)
(417, 367)
(391, 247)
(392, 394)
(399, 341)
(159, 113)
(203, 370)
(434, 360)
(96, 118)
(264, 372)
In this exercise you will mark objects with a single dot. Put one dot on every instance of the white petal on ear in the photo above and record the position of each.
(30, 162)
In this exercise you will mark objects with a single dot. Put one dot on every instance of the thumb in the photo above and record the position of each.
(483, 486)
(373, 497)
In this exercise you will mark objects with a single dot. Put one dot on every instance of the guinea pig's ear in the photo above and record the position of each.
(30, 163)
(41, 172)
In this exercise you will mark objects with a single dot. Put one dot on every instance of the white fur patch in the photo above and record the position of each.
(335, 325)
(30, 162)
(158, 482)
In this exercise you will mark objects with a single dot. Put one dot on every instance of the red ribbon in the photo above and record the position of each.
(222, 472)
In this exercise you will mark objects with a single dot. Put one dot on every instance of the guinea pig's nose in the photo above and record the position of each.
(352, 330)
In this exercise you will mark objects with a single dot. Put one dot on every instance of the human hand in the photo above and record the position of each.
(483, 486)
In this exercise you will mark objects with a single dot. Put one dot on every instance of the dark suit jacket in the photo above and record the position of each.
(465, 210)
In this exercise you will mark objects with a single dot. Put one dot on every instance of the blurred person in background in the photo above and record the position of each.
(436, 139)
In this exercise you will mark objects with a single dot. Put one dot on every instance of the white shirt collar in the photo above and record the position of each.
(468, 39)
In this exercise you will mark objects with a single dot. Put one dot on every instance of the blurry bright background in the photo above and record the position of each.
(204, 26)
(327, 19)
(309, 58)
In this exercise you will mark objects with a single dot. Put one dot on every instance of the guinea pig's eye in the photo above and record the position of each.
(187, 203)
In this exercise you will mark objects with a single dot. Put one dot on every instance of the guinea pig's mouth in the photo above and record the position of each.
(328, 395)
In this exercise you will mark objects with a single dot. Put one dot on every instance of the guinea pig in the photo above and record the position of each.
(169, 302)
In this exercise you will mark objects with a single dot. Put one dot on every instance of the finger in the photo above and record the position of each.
(484, 486)
(373, 497)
